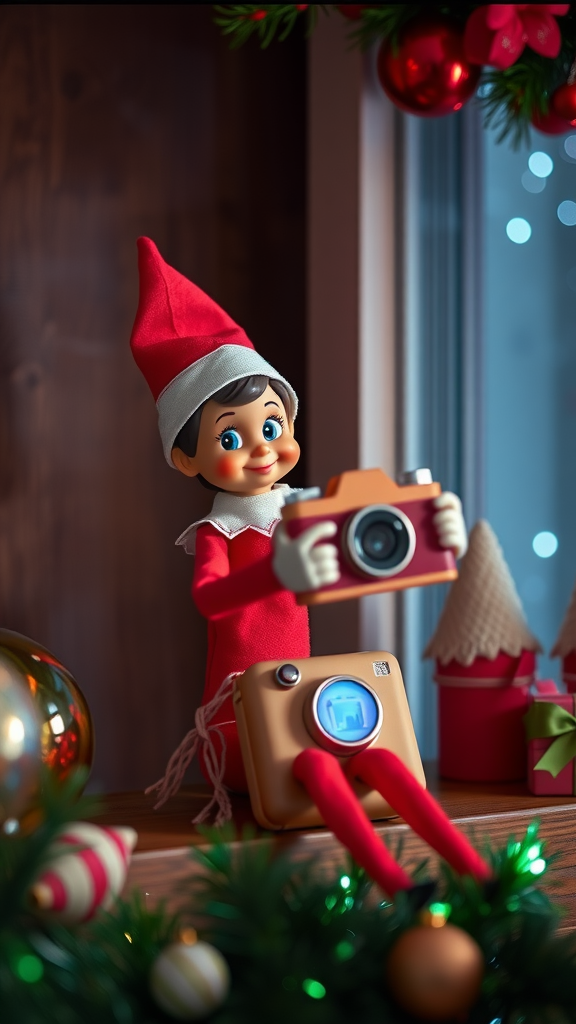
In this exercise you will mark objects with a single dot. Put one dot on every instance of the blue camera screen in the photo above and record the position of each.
(347, 710)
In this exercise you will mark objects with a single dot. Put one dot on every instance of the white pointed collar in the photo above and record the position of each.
(232, 515)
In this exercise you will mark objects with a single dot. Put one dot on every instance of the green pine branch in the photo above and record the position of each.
(266, 21)
(281, 927)
(94, 973)
(384, 21)
(300, 945)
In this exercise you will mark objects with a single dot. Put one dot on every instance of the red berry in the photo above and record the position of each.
(257, 16)
(302, 7)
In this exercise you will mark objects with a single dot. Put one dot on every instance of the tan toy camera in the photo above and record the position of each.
(386, 537)
(341, 703)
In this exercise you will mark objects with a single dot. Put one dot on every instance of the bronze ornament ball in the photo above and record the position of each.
(62, 737)
(435, 973)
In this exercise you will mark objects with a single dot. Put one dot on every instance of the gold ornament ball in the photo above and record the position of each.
(64, 738)
(435, 973)
(189, 980)
(19, 744)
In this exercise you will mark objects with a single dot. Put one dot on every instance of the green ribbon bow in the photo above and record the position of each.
(545, 720)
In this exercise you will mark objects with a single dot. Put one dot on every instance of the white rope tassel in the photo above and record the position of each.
(201, 737)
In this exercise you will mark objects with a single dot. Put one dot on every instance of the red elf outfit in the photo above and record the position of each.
(188, 349)
(251, 617)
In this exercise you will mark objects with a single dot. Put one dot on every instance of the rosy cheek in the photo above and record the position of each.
(289, 453)
(226, 467)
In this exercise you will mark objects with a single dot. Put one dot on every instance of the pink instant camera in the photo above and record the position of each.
(386, 537)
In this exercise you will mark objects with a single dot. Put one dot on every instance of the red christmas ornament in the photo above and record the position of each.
(428, 74)
(563, 103)
(550, 123)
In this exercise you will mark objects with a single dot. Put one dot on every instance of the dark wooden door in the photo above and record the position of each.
(117, 121)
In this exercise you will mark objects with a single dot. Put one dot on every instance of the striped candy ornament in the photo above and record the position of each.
(189, 981)
(80, 881)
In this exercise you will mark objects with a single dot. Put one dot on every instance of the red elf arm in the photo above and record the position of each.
(215, 589)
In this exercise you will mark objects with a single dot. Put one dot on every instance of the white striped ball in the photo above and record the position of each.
(189, 982)
(77, 882)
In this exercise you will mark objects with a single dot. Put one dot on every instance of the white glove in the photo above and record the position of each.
(449, 523)
(300, 564)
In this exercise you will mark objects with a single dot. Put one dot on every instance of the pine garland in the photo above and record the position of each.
(54, 975)
(510, 99)
(300, 946)
(241, 21)
(284, 931)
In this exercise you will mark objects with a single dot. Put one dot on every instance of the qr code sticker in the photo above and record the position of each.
(381, 668)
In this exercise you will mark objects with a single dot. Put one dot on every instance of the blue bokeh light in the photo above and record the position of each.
(541, 164)
(567, 213)
(545, 544)
(532, 183)
(518, 230)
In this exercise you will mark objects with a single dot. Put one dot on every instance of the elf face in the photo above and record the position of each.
(243, 449)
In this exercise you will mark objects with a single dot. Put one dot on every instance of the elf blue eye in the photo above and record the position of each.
(271, 430)
(230, 440)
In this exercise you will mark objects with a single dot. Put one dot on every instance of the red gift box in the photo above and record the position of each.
(480, 712)
(543, 782)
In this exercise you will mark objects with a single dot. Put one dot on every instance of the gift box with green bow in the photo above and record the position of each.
(551, 733)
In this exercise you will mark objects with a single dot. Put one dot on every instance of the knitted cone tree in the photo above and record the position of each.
(485, 663)
(565, 646)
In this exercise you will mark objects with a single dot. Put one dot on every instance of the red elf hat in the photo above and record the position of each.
(186, 346)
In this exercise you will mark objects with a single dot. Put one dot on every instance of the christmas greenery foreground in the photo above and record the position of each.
(298, 947)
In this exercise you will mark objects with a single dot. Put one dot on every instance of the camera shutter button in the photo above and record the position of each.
(288, 675)
(414, 476)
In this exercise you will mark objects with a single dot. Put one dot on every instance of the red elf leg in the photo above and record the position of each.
(321, 775)
(385, 772)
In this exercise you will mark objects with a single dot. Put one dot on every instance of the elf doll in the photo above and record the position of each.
(227, 417)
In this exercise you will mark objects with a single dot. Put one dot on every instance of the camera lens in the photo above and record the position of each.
(380, 540)
(344, 715)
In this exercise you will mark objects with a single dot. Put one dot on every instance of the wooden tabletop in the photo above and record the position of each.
(162, 859)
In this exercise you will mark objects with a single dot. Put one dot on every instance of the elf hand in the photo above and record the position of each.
(300, 563)
(449, 523)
